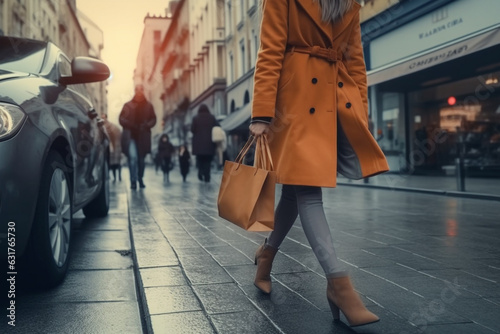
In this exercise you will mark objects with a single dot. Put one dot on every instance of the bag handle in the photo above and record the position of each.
(244, 150)
(263, 158)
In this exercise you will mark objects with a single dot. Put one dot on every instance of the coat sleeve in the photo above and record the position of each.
(355, 61)
(273, 40)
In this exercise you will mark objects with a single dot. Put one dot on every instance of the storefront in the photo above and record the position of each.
(434, 89)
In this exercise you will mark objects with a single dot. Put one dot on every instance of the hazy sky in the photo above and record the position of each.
(122, 22)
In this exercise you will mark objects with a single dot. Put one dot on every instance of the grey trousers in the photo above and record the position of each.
(307, 202)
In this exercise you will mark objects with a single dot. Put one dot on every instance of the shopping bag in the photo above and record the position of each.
(246, 194)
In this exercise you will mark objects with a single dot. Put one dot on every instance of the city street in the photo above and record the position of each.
(423, 263)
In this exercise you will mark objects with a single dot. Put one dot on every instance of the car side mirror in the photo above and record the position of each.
(86, 69)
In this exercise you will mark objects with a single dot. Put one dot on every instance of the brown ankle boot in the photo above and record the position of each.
(264, 260)
(341, 295)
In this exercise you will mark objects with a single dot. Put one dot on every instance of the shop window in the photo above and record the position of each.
(462, 116)
(389, 127)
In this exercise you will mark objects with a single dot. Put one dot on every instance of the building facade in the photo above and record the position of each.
(242, 43)
(95, 37)
(31, 19)
(56, 21)
(207, 57)
(154, 31)
(433, 76)
(172, 68)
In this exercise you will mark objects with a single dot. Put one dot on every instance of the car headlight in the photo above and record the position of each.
(11, 119)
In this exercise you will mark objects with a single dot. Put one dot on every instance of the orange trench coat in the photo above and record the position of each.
(319, 107)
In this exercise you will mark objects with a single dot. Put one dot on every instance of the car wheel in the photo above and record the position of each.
(51, 230)
(99, 206)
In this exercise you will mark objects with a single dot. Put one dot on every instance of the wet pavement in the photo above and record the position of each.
(99, 293)
(423, 263)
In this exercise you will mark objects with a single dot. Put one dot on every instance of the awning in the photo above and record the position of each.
(463, 47)
(237, 118)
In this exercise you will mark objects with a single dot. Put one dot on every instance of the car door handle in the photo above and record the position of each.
(92, 113)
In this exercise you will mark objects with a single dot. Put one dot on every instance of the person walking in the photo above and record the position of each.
(115, 147)
(310, 99)
(165, 151)
(137, 118)
(203, 146)
(184, 161)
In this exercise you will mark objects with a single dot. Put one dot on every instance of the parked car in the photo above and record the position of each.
(53, 152)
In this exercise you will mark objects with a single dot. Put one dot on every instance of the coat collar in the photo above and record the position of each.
(330, 31)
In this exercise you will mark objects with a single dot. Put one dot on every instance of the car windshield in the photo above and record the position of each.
(21, 55)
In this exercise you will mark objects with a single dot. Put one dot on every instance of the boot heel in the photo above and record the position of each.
(335, 310)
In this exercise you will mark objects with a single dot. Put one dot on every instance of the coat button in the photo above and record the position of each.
(312, 110)
(348, 105)
(314, 80)
(341, 84)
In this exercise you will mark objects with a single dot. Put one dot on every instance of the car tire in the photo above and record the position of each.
(99, 206)
(51, 230)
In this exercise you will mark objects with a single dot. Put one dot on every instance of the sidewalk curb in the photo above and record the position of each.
(450, 193)
(139, 287)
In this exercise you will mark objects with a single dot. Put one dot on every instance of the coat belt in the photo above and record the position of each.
(329, 54)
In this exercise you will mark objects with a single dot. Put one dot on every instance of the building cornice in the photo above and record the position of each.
(240, 80)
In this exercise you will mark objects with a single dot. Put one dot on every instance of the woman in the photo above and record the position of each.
(184, 160)
(310, 99)
(165, 151)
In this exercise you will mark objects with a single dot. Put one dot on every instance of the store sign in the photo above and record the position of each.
(438, 56)
(444, 25)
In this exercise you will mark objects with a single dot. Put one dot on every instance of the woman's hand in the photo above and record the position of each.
(258, 129)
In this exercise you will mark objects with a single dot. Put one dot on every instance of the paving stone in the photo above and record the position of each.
(181, 323)
(479, 311)
(168, 299)
(204, 270)
(458, 329)
(308, 285)
(89, 286)
(101, 260)
(162, 276)
(242, 274)
(159, 257)
(281, 300)
(249, 322)
(101, 240)
(222, 298)
(227, 255)
(309, 322)
(70, 317)
(466, 281)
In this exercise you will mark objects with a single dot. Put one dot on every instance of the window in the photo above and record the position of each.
(229, 17)
(241, 11)
(18, 25)
(220, 61)
(242, 55)
(231, 68)
(246, 99)
(220, 13)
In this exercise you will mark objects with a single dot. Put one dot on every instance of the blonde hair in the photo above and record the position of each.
(334, 10)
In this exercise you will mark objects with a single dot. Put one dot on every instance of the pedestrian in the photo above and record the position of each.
(310, 99)
(165, 151)
(184, 161)
(137, 118)
(203, 146)
(115, 147)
